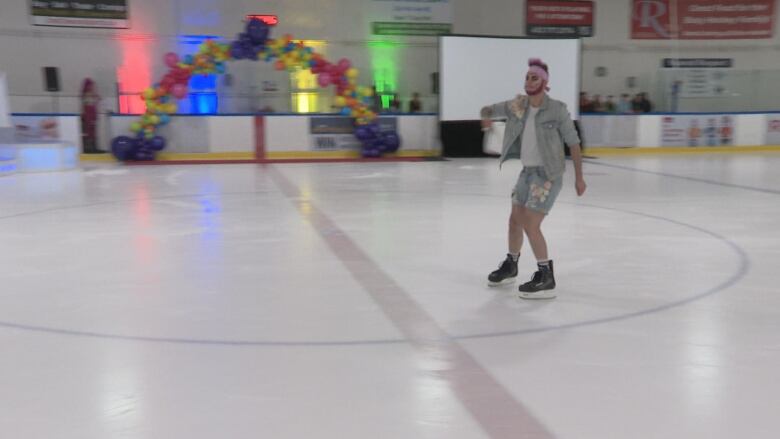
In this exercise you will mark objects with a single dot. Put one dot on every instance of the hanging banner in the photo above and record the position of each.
(411, 17)
(702, 19)
(697, 130)
(559, 18)
(83, 13)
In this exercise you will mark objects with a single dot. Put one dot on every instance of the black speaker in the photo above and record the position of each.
(51, 79)
(435, 83)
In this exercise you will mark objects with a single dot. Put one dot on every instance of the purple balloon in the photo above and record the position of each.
(391, 141)
(362, 132)
(237, 50)
(376, 130)
(378, 143)
(157, 143)
(123, 148)
(257, 31)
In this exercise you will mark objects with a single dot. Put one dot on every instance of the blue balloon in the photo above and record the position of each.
(123, 148)
(188, 59)
(346, 111)
(378, 143)
(237, 50)
(391, 141)
(363, 133)
(376, 130)
(157, 143)
(257, 31)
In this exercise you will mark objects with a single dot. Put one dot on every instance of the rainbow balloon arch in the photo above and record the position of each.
(253, 44)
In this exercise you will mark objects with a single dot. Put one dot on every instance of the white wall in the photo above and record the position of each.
(155, 24)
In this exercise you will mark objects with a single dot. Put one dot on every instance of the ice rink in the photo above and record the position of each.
(349, 300)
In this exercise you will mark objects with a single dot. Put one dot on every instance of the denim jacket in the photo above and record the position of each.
(554, 127)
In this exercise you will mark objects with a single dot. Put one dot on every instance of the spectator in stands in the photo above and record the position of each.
(376, 100)
(636, 103)
(598, 104)
(726, 131)
(645, 106)
(624, 105)
(586, 105)
(609, 104)
(395, 104)
(415, 106)
(676, 85)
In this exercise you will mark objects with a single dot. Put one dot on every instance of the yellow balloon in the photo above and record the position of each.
(149, 93)
(352, 73)
(154, 119)
(340, 101)
(135, 127)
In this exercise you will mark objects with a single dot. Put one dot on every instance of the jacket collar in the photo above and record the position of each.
(545, 103)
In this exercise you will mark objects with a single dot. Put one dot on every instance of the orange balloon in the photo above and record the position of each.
(279, 65)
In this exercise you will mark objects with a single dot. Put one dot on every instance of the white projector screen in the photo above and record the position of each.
(478, 71)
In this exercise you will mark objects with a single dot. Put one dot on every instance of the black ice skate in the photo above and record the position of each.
(541, 285)
(506, 273)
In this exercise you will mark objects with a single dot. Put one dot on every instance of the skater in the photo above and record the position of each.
(536, 129)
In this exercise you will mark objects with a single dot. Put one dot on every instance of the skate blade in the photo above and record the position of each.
(539, 295)
(508, 281)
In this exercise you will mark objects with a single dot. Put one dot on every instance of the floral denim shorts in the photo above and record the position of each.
(535, 191)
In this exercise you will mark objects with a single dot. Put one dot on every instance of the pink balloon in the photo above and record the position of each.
(323, 79)
(171, 59)
(179, 91)
(344, 64)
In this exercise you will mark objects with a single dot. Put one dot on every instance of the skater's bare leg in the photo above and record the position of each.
(516, 228)
(532, 224)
